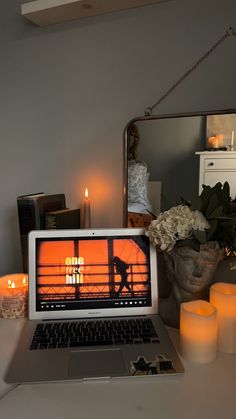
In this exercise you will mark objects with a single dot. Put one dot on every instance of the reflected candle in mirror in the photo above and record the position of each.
(198, 331)
(214, 142)
(13, 296)
(232, 141)
(223, 297)
(87, 211)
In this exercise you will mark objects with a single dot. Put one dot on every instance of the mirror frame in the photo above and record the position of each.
(156, 117)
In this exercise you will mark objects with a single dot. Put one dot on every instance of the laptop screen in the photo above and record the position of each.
(91, 273)
(80, 273)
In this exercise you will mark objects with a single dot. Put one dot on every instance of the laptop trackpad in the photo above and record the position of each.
(96, 363)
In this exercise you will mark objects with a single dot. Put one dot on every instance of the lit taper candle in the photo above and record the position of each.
(87, 211)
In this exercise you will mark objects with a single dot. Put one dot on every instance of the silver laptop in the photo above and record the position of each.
(93, 309)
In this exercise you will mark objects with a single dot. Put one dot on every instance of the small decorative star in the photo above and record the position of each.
(141, 364)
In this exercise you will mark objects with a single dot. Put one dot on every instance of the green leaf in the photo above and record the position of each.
(232, 207)
(217, 212)
(226, 194)
(212, 229)
(205, 197)
(206, 189)
(213, 204)
(200, 236)
(217, 187)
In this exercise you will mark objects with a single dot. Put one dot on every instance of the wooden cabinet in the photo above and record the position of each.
(217, 166)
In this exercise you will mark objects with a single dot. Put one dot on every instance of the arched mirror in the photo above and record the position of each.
(161, 164)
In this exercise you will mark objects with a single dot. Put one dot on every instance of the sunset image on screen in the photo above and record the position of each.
(80, 269)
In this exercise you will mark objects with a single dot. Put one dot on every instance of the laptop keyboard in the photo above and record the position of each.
(73, 334)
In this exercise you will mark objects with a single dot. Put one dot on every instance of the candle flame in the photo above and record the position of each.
(9, 283)
(86, 193)
(13, 285)
(24, 281)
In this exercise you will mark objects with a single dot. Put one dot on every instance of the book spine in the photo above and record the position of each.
(27, 215)
(31, 216)
(28, 220)
(68, 220)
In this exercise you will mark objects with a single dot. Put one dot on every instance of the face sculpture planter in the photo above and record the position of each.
(194, 238)
(190, 273)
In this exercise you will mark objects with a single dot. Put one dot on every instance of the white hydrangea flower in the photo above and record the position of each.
(200, 223)
(175, 224)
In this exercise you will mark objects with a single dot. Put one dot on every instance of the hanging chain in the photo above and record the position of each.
(229, 32)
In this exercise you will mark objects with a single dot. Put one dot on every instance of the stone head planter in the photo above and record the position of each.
(190, 273)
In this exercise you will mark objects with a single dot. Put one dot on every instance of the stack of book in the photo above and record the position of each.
(42, 211)
(62, 219)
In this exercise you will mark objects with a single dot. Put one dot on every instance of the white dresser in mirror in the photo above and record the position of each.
(217, 166)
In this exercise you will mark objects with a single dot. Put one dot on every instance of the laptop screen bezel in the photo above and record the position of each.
(88, 313)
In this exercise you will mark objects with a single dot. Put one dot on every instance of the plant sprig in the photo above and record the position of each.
(215, 204)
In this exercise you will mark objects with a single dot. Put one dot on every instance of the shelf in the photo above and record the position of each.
(49, 12)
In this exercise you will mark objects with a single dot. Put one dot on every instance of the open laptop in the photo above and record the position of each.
(93, 309)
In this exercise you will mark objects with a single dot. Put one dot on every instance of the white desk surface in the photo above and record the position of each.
(203, 391)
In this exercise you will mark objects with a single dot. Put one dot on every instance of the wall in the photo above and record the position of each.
(68, 91)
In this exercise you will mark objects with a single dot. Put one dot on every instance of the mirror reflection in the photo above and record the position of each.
(161, 165)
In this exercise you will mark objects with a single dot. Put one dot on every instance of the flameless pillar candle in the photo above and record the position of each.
(223, 297)
(198, 331)
(13, 296)
(87, 212)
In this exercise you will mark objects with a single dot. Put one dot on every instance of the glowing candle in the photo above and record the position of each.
(220, 138)
(223, 297)
(213, 142)
(13, 296)
(198, 331)
(232, 140)
(87, 212)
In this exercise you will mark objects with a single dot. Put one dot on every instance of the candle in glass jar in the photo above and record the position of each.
(223, 297)
(87, 211)
(198, 331)
(13, 296)
(213, 142)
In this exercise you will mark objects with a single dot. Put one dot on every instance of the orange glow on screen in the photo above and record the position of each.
(135, 258)
(91, 271)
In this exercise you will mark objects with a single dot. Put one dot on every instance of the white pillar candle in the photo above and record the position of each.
(232, 137)
(198, 331)
(232, 140)
(223, 297)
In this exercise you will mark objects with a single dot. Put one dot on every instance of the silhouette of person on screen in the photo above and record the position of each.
(121, 269)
